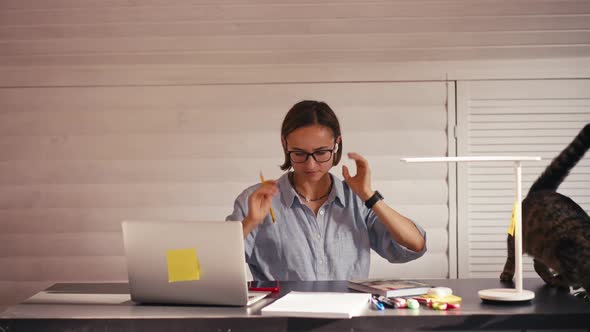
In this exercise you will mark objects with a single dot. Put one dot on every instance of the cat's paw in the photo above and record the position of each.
(556, 281)
(506, 276)
(583, 295)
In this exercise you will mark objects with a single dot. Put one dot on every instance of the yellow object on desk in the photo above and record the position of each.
(452, 299)
(272, 214)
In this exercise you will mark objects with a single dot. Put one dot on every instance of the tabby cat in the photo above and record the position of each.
(556, 230)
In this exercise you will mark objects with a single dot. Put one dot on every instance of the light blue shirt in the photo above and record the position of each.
(335, 245)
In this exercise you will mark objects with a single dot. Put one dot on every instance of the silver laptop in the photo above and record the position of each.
(187, 263)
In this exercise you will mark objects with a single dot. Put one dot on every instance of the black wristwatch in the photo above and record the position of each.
(373, 199)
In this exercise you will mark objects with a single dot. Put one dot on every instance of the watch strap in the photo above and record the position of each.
(373, 199)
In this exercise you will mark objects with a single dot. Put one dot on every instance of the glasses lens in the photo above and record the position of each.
(298, 157)
(322, 155)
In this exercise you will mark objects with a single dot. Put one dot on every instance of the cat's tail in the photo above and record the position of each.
(560, 167)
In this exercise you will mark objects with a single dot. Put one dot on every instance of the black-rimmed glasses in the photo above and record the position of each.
(321, 156)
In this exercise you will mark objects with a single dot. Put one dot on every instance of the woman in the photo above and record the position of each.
(324, 227)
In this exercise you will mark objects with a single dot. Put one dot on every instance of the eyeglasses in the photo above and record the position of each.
(321, 156)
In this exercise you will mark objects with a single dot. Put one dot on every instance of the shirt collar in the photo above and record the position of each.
(289, 195)
(286, 189)
(338, 191)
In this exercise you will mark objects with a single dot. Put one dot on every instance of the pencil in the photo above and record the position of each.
(272, 214)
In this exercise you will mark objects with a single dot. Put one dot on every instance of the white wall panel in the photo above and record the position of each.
(76, 161)
(524, 118)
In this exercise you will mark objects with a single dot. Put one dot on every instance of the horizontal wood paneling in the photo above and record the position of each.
(185, 146)
(497, 260)
(24, 172)
(93, 43)
(432, 265)
(486, 274)
(542, 94)
(64, 4)
(509, 200)
(81, 219)
(86, 245)
(182, 194)
(79, 160)
(90, 220)
(178, 75)
(12, 292)
(72, 268)
(26, 269)
(57, 4)
(329, 59)
(300, 26)
(540, 149)
(97, 244)
(49, 123)
(167, 13)
(571, 117)
(486, 130)
(390, 102)
(287, 42)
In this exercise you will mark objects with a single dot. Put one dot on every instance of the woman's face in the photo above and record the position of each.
(312, 139)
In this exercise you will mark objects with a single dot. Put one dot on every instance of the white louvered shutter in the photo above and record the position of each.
(519, 118)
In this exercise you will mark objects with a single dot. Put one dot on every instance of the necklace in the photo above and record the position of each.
(307, 199)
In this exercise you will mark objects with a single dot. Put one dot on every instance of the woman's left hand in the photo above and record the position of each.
(361, 182)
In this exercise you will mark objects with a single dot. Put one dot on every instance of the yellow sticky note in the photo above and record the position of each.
(512, 226)
(183, 265)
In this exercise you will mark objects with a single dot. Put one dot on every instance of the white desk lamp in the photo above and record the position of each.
(516, 294)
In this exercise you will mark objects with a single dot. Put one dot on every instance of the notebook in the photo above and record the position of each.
(180, 262)
(318, 304)
(390, 287)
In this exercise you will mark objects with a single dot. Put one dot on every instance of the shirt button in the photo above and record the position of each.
(319, 236)
(321, 212)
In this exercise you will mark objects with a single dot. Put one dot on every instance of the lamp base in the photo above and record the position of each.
(506, 295)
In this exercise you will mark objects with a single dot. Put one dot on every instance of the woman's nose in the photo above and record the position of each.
(310, 161)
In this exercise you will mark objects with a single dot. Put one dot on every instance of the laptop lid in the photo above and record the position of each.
(183, 262)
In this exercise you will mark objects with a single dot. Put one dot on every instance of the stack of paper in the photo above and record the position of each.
(77, 298)
(321, 305)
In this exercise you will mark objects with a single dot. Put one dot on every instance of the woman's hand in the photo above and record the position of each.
(259, 203)
(361, 182)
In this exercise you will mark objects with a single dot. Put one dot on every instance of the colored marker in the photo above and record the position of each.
(376, 304)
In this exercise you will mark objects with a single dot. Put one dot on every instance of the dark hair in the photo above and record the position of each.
(308, 113)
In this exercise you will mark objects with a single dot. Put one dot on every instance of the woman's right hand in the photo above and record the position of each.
(259, 204)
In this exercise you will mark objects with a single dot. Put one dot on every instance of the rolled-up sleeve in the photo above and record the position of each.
(239, 213)
(382, 242)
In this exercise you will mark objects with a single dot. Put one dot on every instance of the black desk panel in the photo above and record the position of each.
(552, 309)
